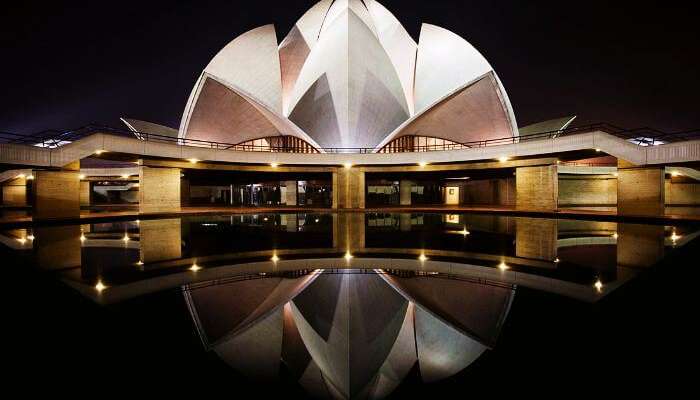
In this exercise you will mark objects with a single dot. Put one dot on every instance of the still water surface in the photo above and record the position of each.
(349, 305)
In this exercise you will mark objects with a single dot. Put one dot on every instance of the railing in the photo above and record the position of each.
(55, 138)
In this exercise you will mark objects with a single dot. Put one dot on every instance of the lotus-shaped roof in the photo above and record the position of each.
(348, 75)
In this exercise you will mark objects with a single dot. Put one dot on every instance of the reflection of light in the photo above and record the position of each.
(139, 263)
(126, 237)
(265, 219)
(100, 286)
(464, 232)
(615, 174)
(31, 237)
(316, 220)
(675, 173)
(22, 240)
(195, 267)
(20, 176)
(502, 266)
(348, 256)
(30, 177)
(422, 257)
(138, 221)
(81, 176)
(598, 285)
(82, 237)
(615, 235)
(674, 237)
(503, 159)
(274, 258)
(556, 260)
(347, 165)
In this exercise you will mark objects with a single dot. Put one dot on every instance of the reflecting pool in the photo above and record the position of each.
(347, 305)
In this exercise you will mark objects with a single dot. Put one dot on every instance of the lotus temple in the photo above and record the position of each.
(350, 112)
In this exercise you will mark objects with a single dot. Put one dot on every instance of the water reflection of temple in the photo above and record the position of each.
(349, 334)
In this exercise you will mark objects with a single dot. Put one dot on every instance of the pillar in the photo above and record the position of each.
(290, 193)
(56, 194)
(405, 192)
(536, 188)
(159, 189)
(640, 191)
(349, 188)
(160, 240)
(536, 238)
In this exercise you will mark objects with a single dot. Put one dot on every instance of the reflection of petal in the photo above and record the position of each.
(442, 350)
(365, 324)
(226, 309)
(256, 351)
(475, 309)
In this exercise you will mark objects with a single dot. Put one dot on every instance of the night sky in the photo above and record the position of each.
(66, 64)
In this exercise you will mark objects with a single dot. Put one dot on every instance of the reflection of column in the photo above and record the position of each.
(405, 192)
(290, 193)
(349, 188)
(160, 240)
(639, 246)
(159, 189)
(56, 194)
(349, 231)
(405, 222)
(536, 188)
(57, 247)
(14, 192)
(536, 238)
(640, 191)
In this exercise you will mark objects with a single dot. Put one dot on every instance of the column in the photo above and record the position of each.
(14, 192)
(536, 188)
(405, 192)
(85, 193)
(56, 194)
(640, 191)
(159, 189)
(349, 188)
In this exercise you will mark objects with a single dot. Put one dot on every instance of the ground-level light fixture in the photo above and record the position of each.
(422, 258)
(615, 235)
(598, 285)
(99, 151)
(82, 237)
(503, 158)
(673, 173)
(422, 164)
(125, 176)
(347, 165)
(193, 160)
(274, 165)
(20, 176)
(30, 177)
(274, 258)
(503, 266)
(31, 237)
(557, 260)
(139, 263)
(81, 176)
(126, 237)
(598, 150)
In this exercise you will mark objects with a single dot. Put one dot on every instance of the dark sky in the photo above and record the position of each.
(66, 64)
